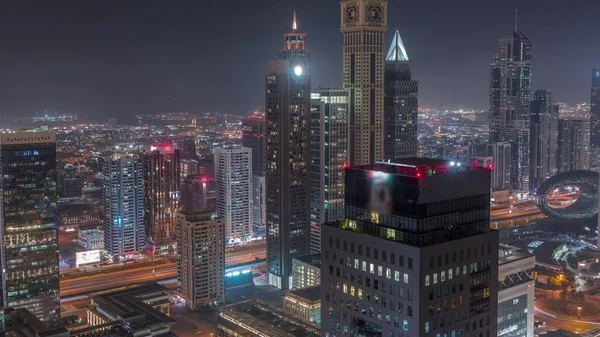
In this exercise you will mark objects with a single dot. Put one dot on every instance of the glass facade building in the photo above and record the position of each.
(401, 104)
(414, 256)
(573, 144)
(595, 120)
(162, 188)
(253, 136)
(328, 159)
(123, 191)
(29, 223)
(543, 130)
(509, 104)
(287, 188)
(516, 291)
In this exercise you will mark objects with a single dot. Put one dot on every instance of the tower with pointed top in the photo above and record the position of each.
(509, 105)
(364, 24)
(287, 116)
(400, 104)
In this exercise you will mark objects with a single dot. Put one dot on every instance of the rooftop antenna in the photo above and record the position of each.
(294, 26)
(516, 20)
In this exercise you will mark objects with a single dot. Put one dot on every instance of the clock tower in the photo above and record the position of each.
(364, 23)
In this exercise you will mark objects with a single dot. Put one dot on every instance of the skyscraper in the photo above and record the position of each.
(162, 182)
(401, 104)
(573, 144)
(328, 159)
(200, 258)
(501, 154)
(595, 120)
(123, 191)
(288, 118)
(233, 177)
(543, 135)
(253, 136)
(415, 254)
(29, 222)
(510, 95)
(364, 24)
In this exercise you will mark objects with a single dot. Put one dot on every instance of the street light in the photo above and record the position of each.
(579, 308)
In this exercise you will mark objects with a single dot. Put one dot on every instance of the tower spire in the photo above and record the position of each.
(294, 25)
(516, 20)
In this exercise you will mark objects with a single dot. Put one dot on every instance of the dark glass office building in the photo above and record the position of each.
(29, 222)
(414, 256)
(400, 104)
(288, 117)
(510, 98)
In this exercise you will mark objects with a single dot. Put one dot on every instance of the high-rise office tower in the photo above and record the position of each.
(501, 153)
(29, 222)
(253, 136)
(573, 145)
(364, 24)
(595, 120)
(543, 134)
(401, 104)
(187, 147)
(328, 159)
(123, 191)
(510, 96)
(415, 254)
(162, 183)
(288, 118)
(198, 193)
(233, 176)
(200, 258)
(460, 154)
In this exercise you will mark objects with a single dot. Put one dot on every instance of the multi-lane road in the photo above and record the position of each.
(94, 283)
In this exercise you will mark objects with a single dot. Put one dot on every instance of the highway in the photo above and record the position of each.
(93, 283)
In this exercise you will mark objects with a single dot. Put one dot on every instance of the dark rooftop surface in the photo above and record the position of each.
(311, 294)
(314, 259)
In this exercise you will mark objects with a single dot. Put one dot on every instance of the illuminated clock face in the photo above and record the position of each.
(374, 14)
(298, 70)
(350, 14)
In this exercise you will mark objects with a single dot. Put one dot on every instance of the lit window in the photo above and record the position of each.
(405, 278)
(426, 326)
(426, 280)
(372, 268)
(450, 273)
(388, 273)
(380, 270)
(397, 276)
(434, 278)
(364, 266)
(360, 294)
(356, 264)
(352, 291)
(443, 276)
(405, 325)
(345, 288)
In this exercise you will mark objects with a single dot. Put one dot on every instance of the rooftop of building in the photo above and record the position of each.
(130, 303)
(313, 259)
(310, 294)
(418, 167)
(21, 322)
(270, 321)
(509, 254)
(196, 216)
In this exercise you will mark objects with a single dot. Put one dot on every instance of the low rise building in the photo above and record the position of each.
(304, 303)
(306, 271)
(516, 291)
(257, 318)
(138, 311)
(91, 239)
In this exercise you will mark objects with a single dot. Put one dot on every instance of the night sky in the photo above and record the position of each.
(122, 57)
